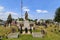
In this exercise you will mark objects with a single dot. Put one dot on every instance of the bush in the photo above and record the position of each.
(21, 30)
(30, 30)
(26, 30)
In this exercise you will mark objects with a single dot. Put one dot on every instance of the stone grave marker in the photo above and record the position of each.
(13, 35)
(37, 34)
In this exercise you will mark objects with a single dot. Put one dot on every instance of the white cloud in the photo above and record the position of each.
(41, 11)
(12, 13)
(26, 9)
(5, 15)
(1, 13)
(38, 11)
(45, 11)
(1, 8)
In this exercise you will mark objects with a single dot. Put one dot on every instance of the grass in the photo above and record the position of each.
(29, 37)
(36, 30)
(24, 37)
(6, 30)
(50, 35)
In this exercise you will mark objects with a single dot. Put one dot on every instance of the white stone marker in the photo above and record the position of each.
(37, 34)
(26, 24)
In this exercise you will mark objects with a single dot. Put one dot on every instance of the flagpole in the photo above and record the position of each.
(21, 7)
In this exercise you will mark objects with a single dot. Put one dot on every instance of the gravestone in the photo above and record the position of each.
(37, 34)
(26, 24)
(13, 35)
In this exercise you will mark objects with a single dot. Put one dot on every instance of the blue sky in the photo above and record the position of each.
(37, 9)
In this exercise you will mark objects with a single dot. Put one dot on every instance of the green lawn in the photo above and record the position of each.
(50, 35)
(29, 37)
(26, 37)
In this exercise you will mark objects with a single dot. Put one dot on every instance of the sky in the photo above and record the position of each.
(37, 9)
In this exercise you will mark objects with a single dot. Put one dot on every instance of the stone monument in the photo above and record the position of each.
(13, 35)
(26, 23)
(26, 16)
(38, 34)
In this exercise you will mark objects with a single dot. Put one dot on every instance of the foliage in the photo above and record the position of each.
(30, 20)
(21, 19)
(35, 21)
(21, 30)
(1, 20)
(26, 30)
(48, 21)
(4, 31)
(9, 19)
(57, 15)
(30, 30)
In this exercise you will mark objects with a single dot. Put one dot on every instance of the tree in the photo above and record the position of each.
(57, 15)
(9, 19)
(26, 30)
(1, 20)
(30, 19)
(48, 21)
(35, 21)
(21, 19)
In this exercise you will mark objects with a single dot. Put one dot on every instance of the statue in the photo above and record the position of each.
(26, 16)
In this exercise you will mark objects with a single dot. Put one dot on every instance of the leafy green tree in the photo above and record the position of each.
(21, 19)
(48, 21)
(57, 15)
(9, 19)
(1, 20)
(35, 21)
(30, 19)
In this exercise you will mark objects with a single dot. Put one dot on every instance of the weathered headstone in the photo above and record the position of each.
(37, 34)
(13, 35)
